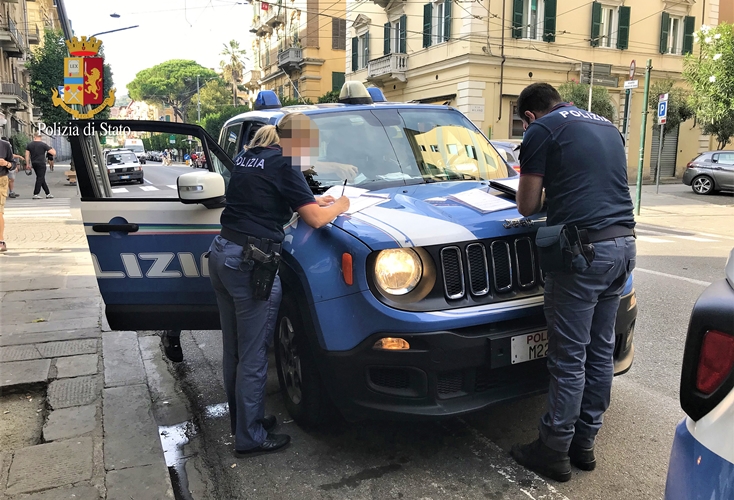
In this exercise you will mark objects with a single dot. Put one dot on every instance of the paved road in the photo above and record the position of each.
(160, 182)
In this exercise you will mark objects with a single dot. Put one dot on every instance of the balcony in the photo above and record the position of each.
(34, 36)
(11, 40)
(290, 58)
(387, 68)
(274, 16)
(250, 79)
(381, 3)
(13, 95)
(259, 28)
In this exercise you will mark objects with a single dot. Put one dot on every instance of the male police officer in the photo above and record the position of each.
(578, 157)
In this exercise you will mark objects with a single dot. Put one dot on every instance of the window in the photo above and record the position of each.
(338, 34)
(395, 36)
(725, 158)
(436, 22)
(360, 51)
(228, 139)
(534, 20)
(610, 26)
(516, 128)
(608, 29)
(267, 55)
(337, 80)
(676, 34)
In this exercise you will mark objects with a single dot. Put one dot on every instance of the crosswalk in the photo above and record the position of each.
(132, 189)
(56, 208)
(656, 236)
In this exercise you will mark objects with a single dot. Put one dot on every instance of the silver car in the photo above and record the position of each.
(710, 171)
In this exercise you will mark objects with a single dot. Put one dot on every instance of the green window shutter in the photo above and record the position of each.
(427, 13)
(595, 23)
(517, 14)
(387, 29)
(366, 48)
(447, 19)
(403, 34)
(549, 21)
(689, 26)
(664, 29)
(337, 80)
(355, 53)
(623, 32)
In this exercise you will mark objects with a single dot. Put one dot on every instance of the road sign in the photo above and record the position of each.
(633, 67)
(663, 109)
(599, 69)
(172, 139)
(602, 81)
(631, 84)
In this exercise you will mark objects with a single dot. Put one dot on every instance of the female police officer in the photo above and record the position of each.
(264, 189)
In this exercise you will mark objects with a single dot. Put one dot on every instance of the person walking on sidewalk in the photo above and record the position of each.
(6, 163)
(50, 158)
(13, 170)
(35, 156)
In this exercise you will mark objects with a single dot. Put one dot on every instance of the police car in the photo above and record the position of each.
(702, 459)
(425, 300)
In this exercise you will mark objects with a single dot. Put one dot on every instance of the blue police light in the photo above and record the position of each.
(267, 99)
(354, 93)
(376, 94)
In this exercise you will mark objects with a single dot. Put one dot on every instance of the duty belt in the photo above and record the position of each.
(245, 240)
(608, 233)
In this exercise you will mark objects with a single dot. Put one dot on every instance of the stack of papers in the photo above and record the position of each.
(359, 198)
(482, 201)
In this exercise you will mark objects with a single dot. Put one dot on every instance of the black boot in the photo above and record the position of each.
(172, 348)
(274, 442)
(537, 457)
(583, 458)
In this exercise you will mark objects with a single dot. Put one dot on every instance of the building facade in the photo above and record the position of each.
(299, 48)
(478, 56)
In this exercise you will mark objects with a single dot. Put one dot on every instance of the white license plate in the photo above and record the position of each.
(124, 177)
(529, 347)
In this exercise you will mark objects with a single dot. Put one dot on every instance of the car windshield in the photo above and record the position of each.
(138, 148)
(121, 158)
(403, 146)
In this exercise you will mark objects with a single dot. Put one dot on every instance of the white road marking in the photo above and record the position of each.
(666, 275)
(119, 190)
(652, 239)
(148, 188)
(694, 238)
(172, 186)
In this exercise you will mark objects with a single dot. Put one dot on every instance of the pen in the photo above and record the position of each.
(344, 186)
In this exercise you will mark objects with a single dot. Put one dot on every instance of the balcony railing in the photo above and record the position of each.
(250, 79)
(14, 89)
(290, 58)
(34, 35)
(274, 16)
(11, 40)
(391, 66)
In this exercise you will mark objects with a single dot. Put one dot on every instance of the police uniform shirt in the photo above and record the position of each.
(580, 156)
(264, 191)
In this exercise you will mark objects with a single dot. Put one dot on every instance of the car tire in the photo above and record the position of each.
(304, 394)
(141, 181)
(703, 184)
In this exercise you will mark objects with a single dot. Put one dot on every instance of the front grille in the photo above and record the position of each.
(450, 382)
(393, 378)
(499, 266)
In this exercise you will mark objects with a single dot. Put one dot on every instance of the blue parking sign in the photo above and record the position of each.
(662, 112)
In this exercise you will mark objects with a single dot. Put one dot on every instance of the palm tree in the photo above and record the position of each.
(233, 66)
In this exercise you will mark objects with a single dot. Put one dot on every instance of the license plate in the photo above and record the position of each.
(529, 347)
(124, 177)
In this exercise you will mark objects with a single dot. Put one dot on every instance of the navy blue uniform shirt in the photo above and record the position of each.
(580, 156)
(263, 192)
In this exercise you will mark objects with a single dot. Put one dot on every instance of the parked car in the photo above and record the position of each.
(702, 458)
(710, 171)
(510, 153)
(123, 166)
(426, 303)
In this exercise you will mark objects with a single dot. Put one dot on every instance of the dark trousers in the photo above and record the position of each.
(40, 179)
(581, 310)
(247, 330)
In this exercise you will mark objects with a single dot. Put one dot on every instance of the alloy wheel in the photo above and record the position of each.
(702, 185)
(290, 362)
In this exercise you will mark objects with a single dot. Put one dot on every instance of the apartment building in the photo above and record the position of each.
(299, 48)
(478, 56)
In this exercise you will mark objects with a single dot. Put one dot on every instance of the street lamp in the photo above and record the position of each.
(118, 29)
(115, 15)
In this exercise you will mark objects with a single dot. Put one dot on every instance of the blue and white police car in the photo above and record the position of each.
(702, 459)
(424, 301)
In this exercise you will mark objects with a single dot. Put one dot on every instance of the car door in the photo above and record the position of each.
(724, 170)
(148, 248)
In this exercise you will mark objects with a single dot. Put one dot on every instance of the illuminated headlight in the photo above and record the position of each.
(398, 270)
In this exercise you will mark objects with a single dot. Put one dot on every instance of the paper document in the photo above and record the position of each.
(359, 198)
(357, 204)
(482, 201)
(349, 191)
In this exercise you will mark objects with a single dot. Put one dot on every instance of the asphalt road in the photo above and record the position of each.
(160, 182)
(468, 457)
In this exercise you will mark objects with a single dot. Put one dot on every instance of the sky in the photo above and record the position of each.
(168, 29)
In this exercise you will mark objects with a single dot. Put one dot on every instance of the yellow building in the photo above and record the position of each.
(299, 48)
(478, 56)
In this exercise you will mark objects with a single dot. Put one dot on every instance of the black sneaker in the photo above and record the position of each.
(269, 422)
(537, 457)
(273, 443)
(172, 348)
(583, 458)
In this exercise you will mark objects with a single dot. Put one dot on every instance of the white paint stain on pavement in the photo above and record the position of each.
(673, 276)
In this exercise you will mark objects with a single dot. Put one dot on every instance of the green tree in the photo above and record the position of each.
(46, 72)
(214, 122)
(710, 74)
(171, 83)
(578, 94)
(215, 95)
(332, 96)
(678, 108)
(233, 65)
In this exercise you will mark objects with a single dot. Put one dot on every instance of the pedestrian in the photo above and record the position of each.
(6, 163)
(12, 171)
(50, 159)
(264, 190)
(579, 158)
(165, 157)
(35, 157)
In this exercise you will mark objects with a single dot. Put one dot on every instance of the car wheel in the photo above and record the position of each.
(304, 394)
(141, 181)
(703, 184)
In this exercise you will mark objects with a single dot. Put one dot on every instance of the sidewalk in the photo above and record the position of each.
(77, 419)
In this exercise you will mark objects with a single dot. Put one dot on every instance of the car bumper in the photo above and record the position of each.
(448, 372)
(125, 176)
(691, 173)
(695, 472)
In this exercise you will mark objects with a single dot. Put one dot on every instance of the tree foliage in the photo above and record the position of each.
(214, 122)
(233, 65)
(578, 94)
(215, 95)
(678, 108)
(332, 96)
(171, 83)
(711, 77)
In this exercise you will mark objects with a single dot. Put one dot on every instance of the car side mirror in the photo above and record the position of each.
(714, 160)
(206, 188)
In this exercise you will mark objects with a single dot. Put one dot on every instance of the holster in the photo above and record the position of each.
(554, 249)
(264, 271)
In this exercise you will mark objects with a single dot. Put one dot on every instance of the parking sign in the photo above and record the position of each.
(663, 109)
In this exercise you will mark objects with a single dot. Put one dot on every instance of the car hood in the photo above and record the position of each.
(426, 214)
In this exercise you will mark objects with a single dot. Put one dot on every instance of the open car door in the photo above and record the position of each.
(148, 242)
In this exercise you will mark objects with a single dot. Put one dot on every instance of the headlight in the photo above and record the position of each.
(398, 270)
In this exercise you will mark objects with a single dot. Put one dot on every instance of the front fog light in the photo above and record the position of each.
(398, 270)
(392, 344)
